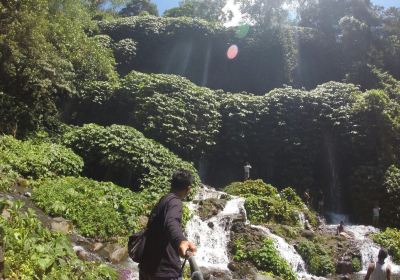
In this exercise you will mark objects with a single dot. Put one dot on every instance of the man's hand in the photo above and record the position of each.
(186, 245)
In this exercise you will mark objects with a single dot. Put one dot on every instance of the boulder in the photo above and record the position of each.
(97, 246)
(263, 277)
(61, 225)
(5, 214)
(344, 267)
(309, 234)
(119, 255)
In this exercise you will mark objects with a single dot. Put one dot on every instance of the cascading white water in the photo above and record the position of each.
(212, 241)
(212, 235)
(369, 250)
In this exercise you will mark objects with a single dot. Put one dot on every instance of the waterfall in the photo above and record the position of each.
(212, 240)
(212, 235)
(335, 190)
(369, 250)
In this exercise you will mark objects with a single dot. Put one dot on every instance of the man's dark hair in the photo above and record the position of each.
(383, 253)
(181, 179)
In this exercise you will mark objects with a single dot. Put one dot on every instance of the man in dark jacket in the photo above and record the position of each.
(165, 240)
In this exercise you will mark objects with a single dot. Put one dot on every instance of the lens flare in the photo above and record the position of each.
(242, 30)
(232, 52)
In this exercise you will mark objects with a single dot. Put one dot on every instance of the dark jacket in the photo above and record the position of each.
(161, 257)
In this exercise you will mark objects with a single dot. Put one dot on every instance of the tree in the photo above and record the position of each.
(265, 12)
(46, 55)
(210, 10)
(136, 7)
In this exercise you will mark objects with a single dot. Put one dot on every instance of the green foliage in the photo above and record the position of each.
(138, 7)
(98, 209)
(264, 204)
(390, 205)
(8, 177)
(186, 215)
(318, 259)
(209, 10)
(173, 111)
(122, 154)
(33, 252)
(45, 55)
(390, 239)
(266, 258)
(356, 264)
(38, 160)
(252, 188)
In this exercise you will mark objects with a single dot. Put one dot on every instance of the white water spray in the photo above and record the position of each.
(212, 240)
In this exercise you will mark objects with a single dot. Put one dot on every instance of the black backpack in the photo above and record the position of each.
(137, 241)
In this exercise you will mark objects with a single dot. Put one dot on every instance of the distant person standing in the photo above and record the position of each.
(375, 215)
(307, 197)
(379, 270)
(247, 168)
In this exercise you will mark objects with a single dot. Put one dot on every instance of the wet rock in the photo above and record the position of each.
(119, 255)
(210, 207)
(263, 277)
(344, 267)
(22, 182)
(82, 255)
(5, 214)
(309, 234)
(232, 266)
(211, 274)
(97, 246)
(61, 225)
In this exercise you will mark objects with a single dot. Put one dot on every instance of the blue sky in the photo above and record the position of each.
(167, 4)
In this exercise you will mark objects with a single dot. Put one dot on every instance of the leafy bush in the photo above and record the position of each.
(33, 252)
(123, 155)
(38, 160)
(390, 239)
(265, 258)
(356, 264)
(265, 204)
(319, 261)
(390, 205)
(173, 111)
(7, 178)
(98, 209)
(252, 187)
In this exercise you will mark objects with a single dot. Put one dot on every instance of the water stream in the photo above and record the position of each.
(212, 241)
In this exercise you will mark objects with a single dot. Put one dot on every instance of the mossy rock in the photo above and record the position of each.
(210, 207)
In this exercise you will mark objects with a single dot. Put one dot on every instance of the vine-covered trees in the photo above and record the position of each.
(46, 55)
(210, 10)
(137, 7)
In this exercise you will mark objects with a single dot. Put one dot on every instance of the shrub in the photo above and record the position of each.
(317, 258)
(123, 155)
(98, 209)
(38, 160)
(173, 111)
(390, 205)
(264, 204)
(265, 258)
(356, 264)
(251, 187)
(33, 252)
(7, 178)
(390, 239)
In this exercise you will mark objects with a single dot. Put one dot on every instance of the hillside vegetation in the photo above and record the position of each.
(100, 103)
